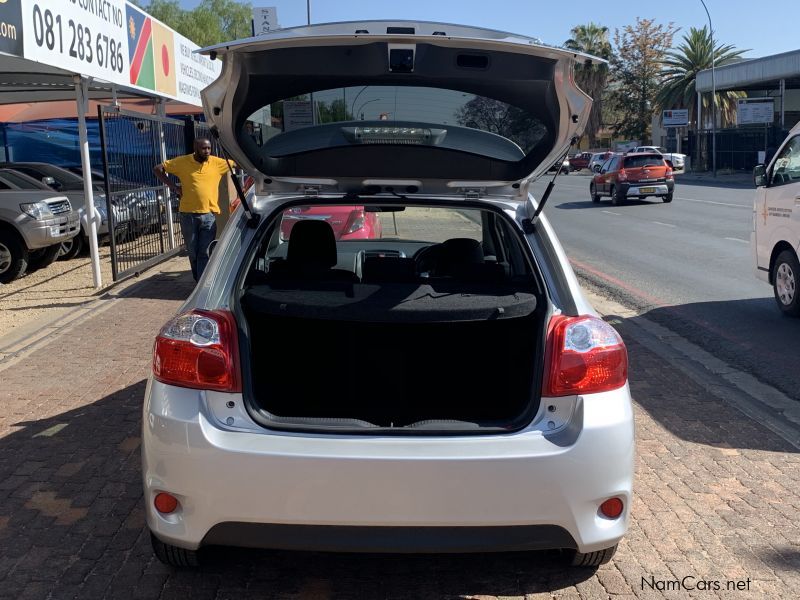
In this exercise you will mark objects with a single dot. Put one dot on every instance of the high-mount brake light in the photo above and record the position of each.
(198, 350)
(585, 355)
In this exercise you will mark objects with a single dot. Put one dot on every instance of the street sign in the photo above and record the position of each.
(677, 117)
(755, 110)
(265, 19)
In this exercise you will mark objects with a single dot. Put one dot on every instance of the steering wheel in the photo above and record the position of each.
(425, 259)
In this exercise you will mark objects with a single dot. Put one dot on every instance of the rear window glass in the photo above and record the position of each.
(647, 160)
(396, 115)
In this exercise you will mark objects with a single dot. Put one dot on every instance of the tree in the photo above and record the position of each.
(212, 22)
(592, 39)
(680, 69)
(636, 75)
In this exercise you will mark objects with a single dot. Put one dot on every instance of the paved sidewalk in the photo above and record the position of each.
(716, 493)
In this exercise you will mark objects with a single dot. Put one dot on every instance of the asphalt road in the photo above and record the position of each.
(686, 265)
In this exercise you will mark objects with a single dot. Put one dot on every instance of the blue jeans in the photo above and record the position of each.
(198, 229)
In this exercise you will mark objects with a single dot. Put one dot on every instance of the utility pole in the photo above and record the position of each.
(713, 95)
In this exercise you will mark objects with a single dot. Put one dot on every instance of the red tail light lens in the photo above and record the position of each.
(356, 221)
(669, 173)
(198, 349)
(585, 355)
(622, 175)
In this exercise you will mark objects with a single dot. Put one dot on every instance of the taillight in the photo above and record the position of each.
(356, 221)
(584, 355)
(622, 175)
(669, 173)
(198, 349)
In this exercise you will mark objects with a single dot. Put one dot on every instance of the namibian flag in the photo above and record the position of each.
(140, 47)
(151, 51)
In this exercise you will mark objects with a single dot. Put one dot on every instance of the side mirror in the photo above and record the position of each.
(211, 247)
(760, 175)
(51, 182)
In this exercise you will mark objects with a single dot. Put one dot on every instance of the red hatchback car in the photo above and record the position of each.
(635, 175)
(347, 222)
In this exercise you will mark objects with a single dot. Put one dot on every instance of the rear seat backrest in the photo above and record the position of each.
(381, 269)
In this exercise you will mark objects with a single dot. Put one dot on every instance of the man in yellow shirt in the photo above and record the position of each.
(199, 174)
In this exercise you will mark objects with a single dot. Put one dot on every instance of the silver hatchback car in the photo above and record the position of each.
(389, 350)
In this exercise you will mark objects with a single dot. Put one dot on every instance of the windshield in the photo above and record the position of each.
(403, 115)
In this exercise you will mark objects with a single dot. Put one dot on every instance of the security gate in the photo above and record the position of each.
(143, 224)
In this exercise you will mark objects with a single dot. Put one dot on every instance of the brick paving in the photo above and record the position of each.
(716, 494)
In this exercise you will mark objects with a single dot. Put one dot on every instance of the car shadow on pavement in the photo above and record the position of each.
(72, 525)
(163, 286)
(575, 205)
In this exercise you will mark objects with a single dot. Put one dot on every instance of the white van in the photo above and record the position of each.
(776, 223)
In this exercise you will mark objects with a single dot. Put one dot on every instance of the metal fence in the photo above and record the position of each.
(737, 148)
(141, 212)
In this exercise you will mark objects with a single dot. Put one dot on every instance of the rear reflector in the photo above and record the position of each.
(165, 503)
(612, 508)
(585, 355)
(198, 350)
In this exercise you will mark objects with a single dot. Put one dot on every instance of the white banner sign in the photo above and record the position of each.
(677, 117)
(297, 114)
(115, 41)
(755, 110)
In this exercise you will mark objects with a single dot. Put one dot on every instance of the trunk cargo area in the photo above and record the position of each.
(394, 355)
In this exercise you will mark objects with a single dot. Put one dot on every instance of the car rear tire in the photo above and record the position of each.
(71, 248)
(39, 259)
(785, 276)
(13, 256)
(667, 198)
(593, 193)
(173, 555)
(591, 559)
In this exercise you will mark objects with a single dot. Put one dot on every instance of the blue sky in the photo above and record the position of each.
(736, 22)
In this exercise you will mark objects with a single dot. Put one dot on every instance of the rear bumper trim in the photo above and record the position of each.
(327, 538)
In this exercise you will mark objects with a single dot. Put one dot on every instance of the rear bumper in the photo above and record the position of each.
(636, 190)
(252, 487)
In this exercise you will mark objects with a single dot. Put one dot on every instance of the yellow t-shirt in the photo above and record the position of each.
(199, 182)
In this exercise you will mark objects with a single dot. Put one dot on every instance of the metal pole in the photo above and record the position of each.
(783, 102)
(713, 95)
(696, 157)
(82, 97)
(161, 112)
(308, 11)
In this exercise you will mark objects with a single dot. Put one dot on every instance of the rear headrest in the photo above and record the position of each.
(312, 244)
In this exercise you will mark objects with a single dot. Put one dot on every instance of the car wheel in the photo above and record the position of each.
(667, 198)
(13, 256)
(593, 193)
(173, 555)
(614, 197)
(45, 257)
(785, 275)
(71, 248)
(591, 559)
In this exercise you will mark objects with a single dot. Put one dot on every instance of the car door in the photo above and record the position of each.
(778, 216)
(606, 174)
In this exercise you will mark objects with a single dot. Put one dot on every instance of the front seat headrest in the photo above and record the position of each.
(312, 244)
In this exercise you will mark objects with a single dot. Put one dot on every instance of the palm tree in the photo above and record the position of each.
(592, 39)
(681, 67)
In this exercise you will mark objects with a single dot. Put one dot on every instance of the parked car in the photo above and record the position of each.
(629, 176)
(677, 161)
(776, 224)
(71, 185)
(566, 167)
(580, 161)
(598, 159)
(347, 222)
(446, 389)
(33, 224)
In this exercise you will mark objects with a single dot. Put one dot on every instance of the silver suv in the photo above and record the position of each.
(33, 224)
